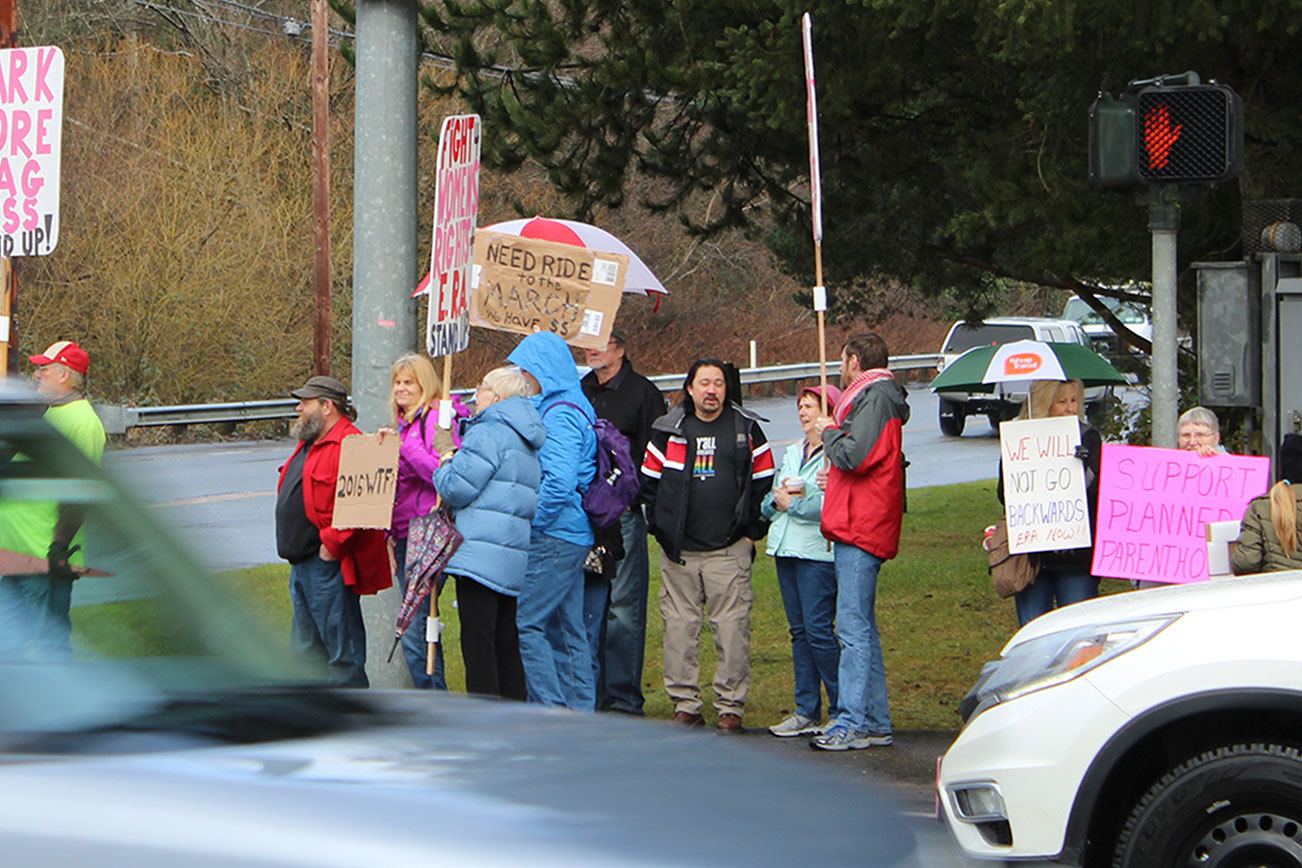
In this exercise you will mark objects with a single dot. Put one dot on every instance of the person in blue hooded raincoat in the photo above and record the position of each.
(554, 645)
(491, 486)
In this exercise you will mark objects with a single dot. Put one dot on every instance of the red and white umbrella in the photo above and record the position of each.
(640, 280)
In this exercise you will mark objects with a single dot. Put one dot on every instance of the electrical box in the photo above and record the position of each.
(1288, 300)
(1229, 335)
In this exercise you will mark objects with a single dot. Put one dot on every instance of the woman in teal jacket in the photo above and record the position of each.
(806, 572)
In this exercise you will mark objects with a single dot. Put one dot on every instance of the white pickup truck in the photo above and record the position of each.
(1003, 403)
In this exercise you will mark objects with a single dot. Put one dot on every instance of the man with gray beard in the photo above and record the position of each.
(328, 567)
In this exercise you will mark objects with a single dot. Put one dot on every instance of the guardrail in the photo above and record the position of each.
(117, 420)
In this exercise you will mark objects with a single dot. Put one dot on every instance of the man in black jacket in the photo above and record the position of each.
(631, 403)
(706, 470)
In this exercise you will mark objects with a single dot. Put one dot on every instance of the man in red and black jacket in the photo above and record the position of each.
(329, 567)
(863, 508)
(706, 469)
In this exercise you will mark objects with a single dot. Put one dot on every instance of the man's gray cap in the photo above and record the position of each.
(322, 387)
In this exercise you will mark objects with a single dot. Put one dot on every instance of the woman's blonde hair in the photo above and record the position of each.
(1040, 401)
(422, 371)
(1283, 516)
(507, 382)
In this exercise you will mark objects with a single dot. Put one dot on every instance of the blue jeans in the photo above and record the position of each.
(809, 597)
(35, 617)
(596, 597)
(620, 684)
(1064, 585)
(414, 646)
(327, 621)
(549, 615)
(862, 673)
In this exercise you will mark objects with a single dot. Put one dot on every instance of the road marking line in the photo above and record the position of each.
(214, 498)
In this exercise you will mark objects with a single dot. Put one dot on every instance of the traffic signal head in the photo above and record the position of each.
(1188, 134)
(1183, 134)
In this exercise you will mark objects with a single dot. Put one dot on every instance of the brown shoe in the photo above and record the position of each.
(729, 724)
(686, 718)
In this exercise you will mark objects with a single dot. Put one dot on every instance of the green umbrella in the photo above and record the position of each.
(980, 369)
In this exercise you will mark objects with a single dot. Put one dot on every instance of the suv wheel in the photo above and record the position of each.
(951, 418)
(1238, 805)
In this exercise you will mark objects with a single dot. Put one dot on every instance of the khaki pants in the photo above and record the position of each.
(716, 582)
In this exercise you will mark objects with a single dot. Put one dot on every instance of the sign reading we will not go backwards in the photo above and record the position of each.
(31, 135)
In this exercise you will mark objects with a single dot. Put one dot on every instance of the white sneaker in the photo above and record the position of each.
(796, 724)
(839, 737)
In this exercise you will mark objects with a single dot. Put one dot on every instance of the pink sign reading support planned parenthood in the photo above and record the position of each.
(1155, 505)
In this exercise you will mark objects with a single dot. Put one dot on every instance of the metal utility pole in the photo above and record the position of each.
(1164, 223)
(8, 273)
(321, 273)
(384, 200)
(384, 244)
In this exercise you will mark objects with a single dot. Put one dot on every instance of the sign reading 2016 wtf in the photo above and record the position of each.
(31, 131)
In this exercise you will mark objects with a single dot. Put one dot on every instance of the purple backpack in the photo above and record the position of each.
(616, 483)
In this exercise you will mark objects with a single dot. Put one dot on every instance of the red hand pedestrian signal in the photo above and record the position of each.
(1160, 136)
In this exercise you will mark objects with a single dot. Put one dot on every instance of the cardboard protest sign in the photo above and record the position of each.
(31, 137)
(456, 210)
(1044, 485)
(367, 482)
(525, 285)
(1155, 504)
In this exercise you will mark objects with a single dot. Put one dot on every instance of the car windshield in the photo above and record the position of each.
(150, 628)
(965, 336)
(1128, 312)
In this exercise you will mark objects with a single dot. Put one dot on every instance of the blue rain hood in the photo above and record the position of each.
(548, 358)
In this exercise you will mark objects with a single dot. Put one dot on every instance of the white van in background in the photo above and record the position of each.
(1133, 315)
(1005, 402)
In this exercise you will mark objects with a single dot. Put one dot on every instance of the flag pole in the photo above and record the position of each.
(815, 203)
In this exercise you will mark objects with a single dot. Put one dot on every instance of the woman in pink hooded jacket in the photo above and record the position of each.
(414, 404)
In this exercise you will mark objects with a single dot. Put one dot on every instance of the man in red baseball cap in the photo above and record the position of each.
(38, 605)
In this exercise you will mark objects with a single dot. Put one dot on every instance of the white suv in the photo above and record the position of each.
(1005, 402)
(1154, 728)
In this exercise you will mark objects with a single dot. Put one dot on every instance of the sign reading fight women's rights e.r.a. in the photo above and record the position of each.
(1044, 485)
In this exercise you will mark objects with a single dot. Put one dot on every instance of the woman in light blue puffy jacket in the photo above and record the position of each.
(806, 572)
(491, 486)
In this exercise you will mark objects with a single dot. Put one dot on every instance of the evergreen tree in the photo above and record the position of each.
(954, 132)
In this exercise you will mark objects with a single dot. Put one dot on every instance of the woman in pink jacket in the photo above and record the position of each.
(414, 404)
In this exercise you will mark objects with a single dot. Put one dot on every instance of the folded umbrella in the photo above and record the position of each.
(431, 541)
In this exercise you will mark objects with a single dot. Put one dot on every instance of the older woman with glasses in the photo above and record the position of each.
(491, 486)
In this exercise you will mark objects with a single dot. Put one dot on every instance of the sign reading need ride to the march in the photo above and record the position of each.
(456, 210)
(527, 285)
(31, 135)
(1044, 485)
(1155, 505)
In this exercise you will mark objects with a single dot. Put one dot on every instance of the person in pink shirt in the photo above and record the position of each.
(414, 405)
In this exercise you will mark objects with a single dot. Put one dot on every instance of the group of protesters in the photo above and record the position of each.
(1270, 528)
(553, 610)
